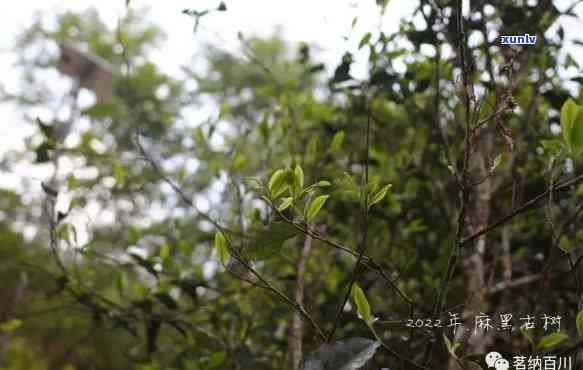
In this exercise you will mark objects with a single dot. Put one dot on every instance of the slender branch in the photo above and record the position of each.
(297, 327)
(464, 186)
(268, 286)
(362, 246)
(366, 260)
(525, 207)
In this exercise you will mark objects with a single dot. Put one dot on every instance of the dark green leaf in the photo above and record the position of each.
(167, 300)
(266, 241)
(365, 39)
(42, 152)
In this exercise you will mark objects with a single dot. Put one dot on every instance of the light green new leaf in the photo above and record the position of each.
(551, 340)
(579, 323)
(450, 347)
(121, 282)
(497, 162)
(119, 175)
(278, 183)
(10, 325)
(285, 203)
(322, 183)
(298, 179)
(337, 141)
(379, 195)
(365, 39)
(164, 251)
(569, 113)
(221, 247)
(577, 133)
(362, 304)
(217, 359)
(71, 182)
(315, 207)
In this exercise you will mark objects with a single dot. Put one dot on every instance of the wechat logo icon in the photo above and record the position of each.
(494, 360)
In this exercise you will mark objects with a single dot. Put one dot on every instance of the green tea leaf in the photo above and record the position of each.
(221, 247)
(451, 347)
(278, 183)
(362, 304)
(551, 340)
(10, 325)
(119, 174)
(224, 109)
(577, 133)
(315, 207)
(379, 195)
(569, 113)
(497, 162)
(298, 179)
(217, 359)
(285, 203)
(579, 323)
(365, 39)
(337, 141)
(266, 241)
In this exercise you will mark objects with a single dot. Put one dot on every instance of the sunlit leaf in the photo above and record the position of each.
(315, 207)
(10, 325)
(221, 247)
(337, 141)
(362, 304)
(216, 359)
(285, 203)
(119, 175)
(298, 179)
(569, 112)
(278, 182)
(224, 109)
(379, 195)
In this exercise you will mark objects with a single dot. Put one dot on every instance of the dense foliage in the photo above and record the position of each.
(307, 211)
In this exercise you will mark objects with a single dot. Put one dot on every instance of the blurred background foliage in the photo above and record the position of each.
(142, 286)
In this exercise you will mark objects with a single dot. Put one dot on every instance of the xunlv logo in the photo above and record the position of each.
(518, 40)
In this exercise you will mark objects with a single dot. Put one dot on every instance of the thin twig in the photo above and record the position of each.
(463, 180)
(297, 327)
(362, 246)
(525, 207)
(268, 286)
